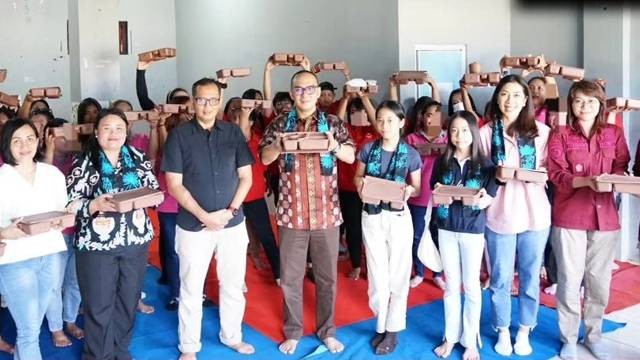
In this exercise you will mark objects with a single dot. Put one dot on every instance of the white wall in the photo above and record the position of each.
(152, 25)
(552, 29)
(244, 33)
(482, 25)
(33, 34)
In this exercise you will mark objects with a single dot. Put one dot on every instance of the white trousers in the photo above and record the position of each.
(461, 255)
(388, 238)
(195, 250)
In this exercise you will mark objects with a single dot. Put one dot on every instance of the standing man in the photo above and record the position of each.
(308, 211)
(208, 170)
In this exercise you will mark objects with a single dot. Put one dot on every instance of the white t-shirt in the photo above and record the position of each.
(19, 198)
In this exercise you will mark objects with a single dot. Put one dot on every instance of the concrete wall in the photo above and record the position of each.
(483, 26)
(244, 33)
(33, 35)
(552, 29)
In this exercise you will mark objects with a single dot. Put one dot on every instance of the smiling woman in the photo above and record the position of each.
(112, 246)
(29, 268)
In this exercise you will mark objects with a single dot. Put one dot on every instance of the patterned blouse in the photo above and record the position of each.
(108, 231)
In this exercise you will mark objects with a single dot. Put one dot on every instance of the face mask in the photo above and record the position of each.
(458, 107)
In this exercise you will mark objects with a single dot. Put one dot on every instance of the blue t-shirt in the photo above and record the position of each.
(414, 162)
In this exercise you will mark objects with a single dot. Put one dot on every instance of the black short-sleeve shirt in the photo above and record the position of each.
(208, 162)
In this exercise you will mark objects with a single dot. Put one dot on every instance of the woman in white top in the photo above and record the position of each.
(28, 267)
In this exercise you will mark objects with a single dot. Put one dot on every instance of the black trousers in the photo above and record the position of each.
(351, 207)
(257, 214)
(110, 283)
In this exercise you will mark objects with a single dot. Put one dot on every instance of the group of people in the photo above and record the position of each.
(215, 168)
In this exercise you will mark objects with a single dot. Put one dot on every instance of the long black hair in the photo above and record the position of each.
(477, 159)
(92, 148)
(84, 106)
(458, 91)
(525, 124)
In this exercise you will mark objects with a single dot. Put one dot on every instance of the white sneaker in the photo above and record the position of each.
(503, 346)
(522, 346)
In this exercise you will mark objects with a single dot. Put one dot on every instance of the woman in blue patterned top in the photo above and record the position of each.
(461, 232)
(387, 232)
(111, 247)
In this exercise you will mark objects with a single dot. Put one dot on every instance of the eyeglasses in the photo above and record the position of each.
(309, 90)
(204, 101)
(590, 103)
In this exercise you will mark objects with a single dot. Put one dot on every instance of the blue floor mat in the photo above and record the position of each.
(156, 335)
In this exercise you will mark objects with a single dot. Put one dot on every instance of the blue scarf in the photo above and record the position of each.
(326, 160)
(526, 148)
(472, 182)
(397, 171)
(108, 180)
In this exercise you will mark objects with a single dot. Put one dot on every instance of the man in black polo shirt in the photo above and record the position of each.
(208, 170)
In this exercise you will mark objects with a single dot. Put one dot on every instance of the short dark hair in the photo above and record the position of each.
(41, 101)
(171, 96)
(282, 95)
(44, 112)
(7, 133)
(252, 94)
(121, 101)
(394, 106)
(205, 81)
(325, 85)
(544, 81)
(10, 113)
(300, 73)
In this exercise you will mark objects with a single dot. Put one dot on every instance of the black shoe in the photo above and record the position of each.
(377, 339)
(206, 302)
(310, 275)
(388, 344)
(172, 305)
(163, 280)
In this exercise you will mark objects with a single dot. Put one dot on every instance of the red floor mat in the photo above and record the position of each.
(265, 301)
(625, 289)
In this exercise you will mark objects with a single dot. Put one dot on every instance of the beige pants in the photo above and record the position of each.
(195, 250)
(388, 238)
(588, 254)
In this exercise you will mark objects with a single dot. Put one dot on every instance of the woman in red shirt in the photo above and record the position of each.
(358, 112)
(584, 244)
(254, 205)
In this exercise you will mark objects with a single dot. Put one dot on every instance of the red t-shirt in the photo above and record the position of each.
(259, 185)
(346, 172)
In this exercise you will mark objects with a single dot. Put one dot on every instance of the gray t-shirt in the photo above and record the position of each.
(414, 161)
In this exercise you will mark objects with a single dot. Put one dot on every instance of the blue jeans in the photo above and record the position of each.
(529, 247)
(27, 287)
(65, 301)
(168, 245)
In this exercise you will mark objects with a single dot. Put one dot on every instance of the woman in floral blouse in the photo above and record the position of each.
(112, 247)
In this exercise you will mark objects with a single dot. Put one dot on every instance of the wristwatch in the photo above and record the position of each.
(233, 210)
